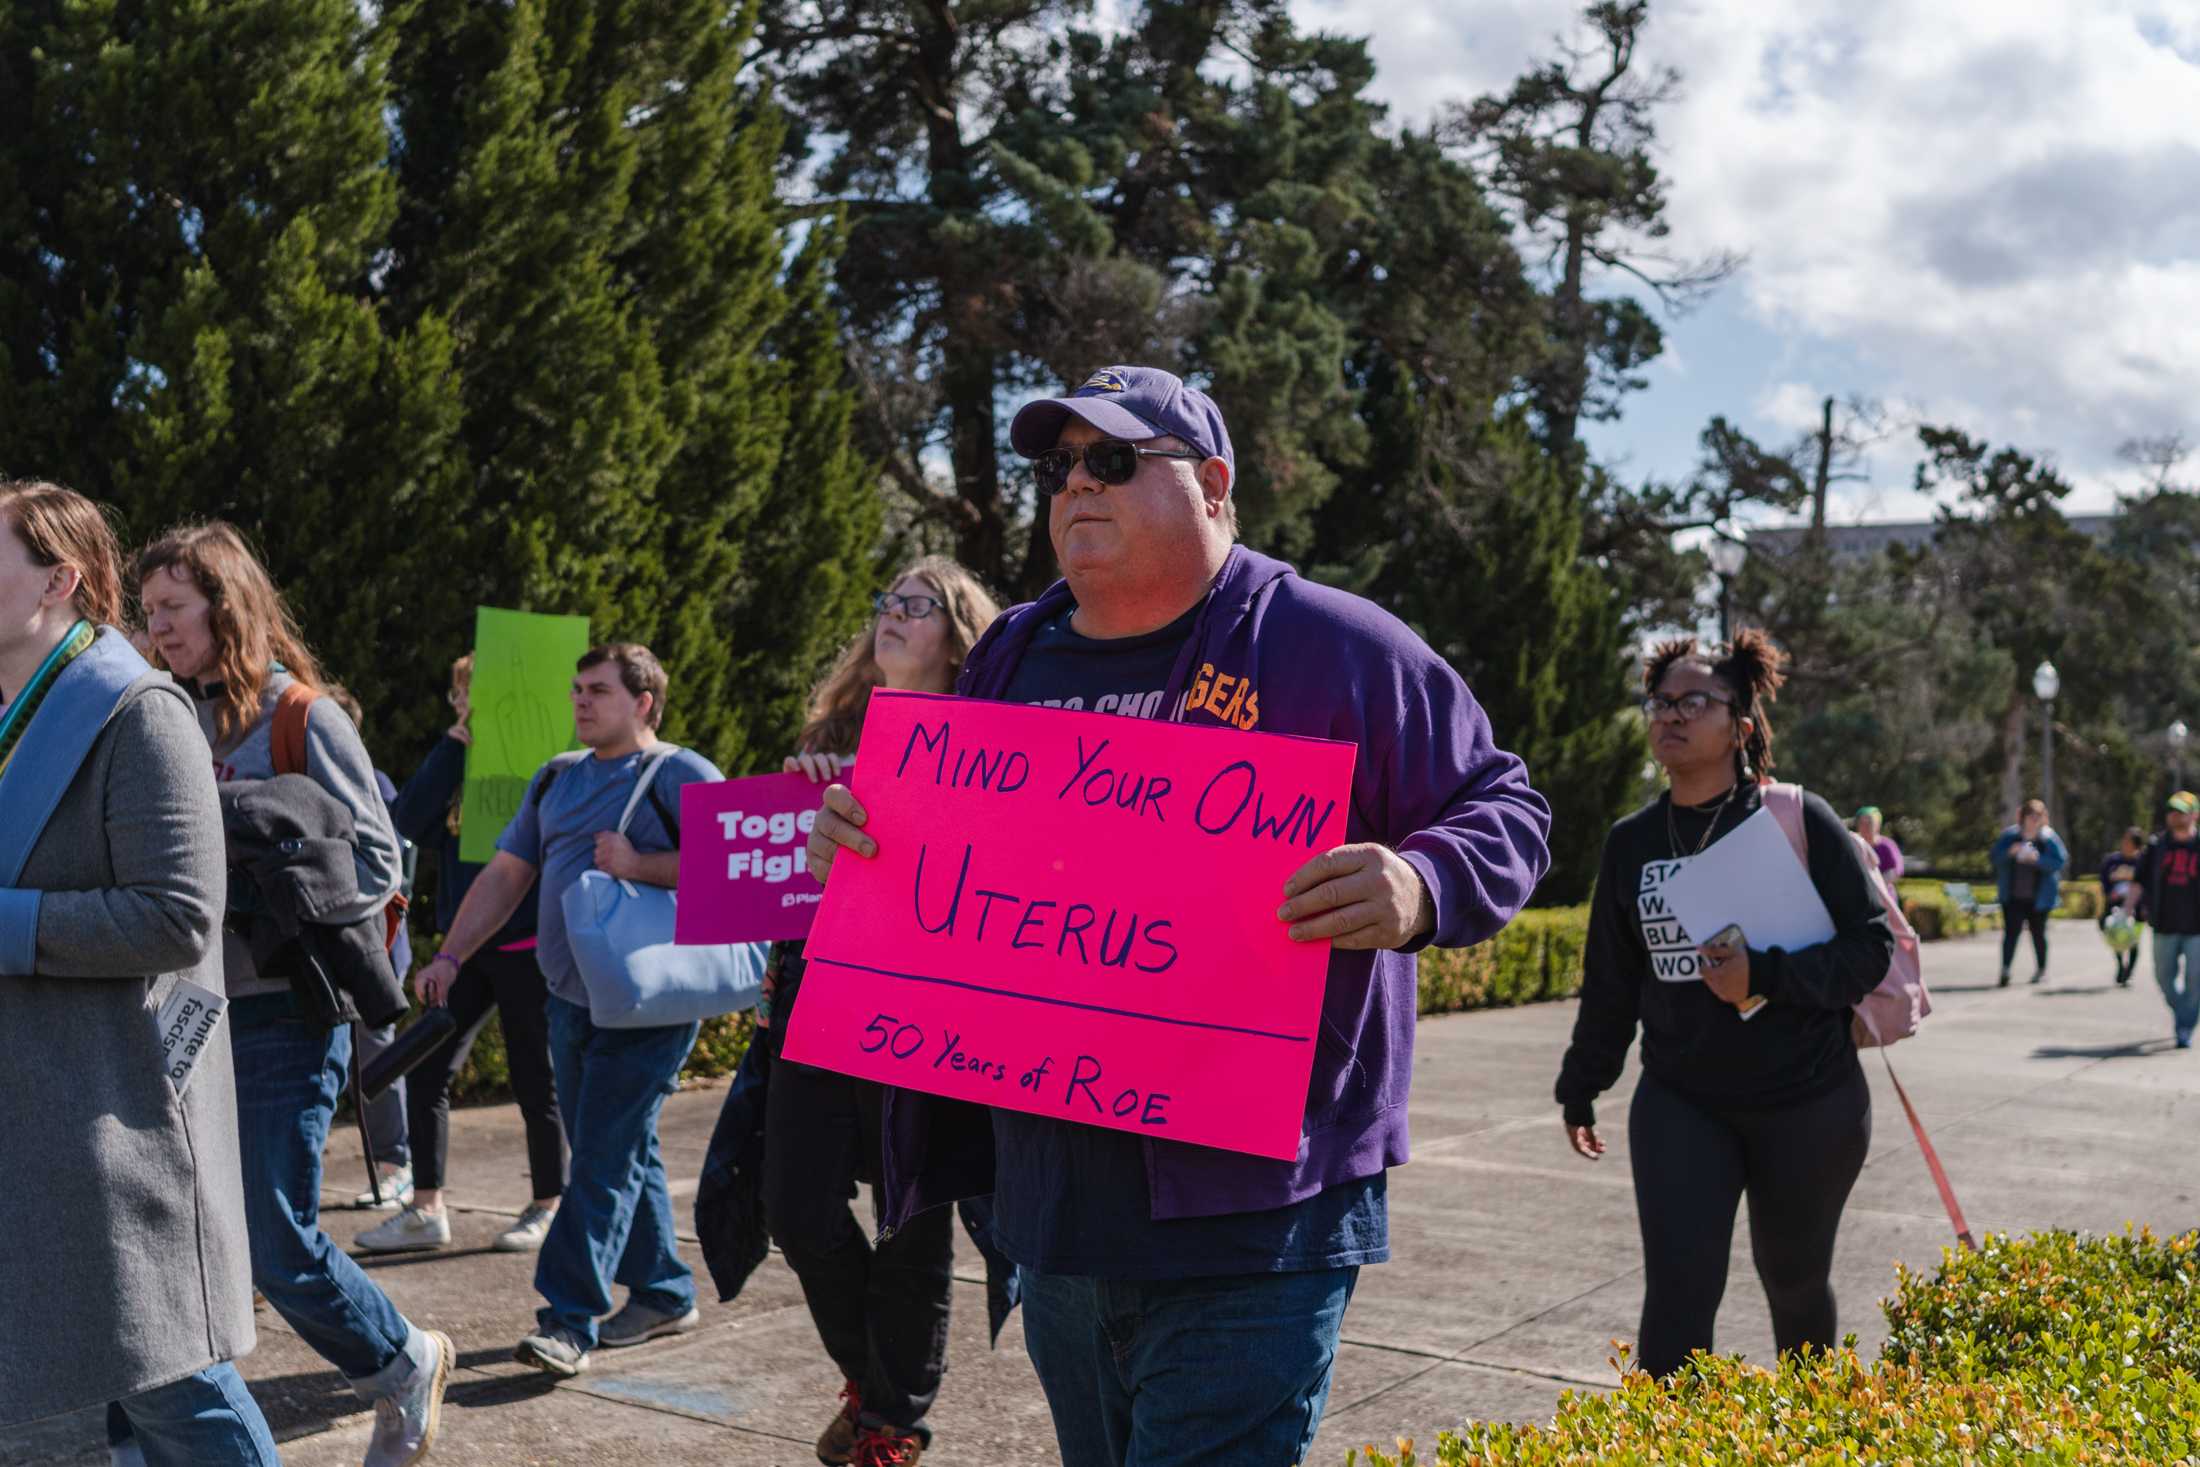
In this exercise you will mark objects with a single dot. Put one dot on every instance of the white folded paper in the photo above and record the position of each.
(1752, 879)
(187, 1021)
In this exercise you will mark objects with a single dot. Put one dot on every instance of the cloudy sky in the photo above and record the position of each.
(1985, 212)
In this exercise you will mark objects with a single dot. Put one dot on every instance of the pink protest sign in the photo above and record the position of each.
(1074, 914)
(741, 873)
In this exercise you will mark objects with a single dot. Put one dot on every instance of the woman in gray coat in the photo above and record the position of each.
(122, 1155)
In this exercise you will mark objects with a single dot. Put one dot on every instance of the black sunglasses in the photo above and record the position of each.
(917, 608)
(1690, 706)
(1110, 460)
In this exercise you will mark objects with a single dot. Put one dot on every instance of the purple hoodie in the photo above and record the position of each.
(1270, 651)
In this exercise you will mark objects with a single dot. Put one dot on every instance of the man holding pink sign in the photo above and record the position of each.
(1147, 1264)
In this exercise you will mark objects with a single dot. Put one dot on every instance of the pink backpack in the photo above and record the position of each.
(1894, 1010)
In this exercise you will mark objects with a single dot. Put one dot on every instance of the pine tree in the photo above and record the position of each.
(196, 196)
(808, 562)
(591, 205)
(1489, 569)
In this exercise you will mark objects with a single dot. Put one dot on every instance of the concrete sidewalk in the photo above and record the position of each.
(1516, 1264)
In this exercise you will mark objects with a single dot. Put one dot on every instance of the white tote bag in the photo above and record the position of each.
(621, 935)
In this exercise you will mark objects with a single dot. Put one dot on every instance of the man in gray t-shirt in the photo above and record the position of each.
(573, 805)
(616, 1220)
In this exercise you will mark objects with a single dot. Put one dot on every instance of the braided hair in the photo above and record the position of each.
(1752, 667)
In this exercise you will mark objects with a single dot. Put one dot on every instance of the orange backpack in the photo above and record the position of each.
(287, 743)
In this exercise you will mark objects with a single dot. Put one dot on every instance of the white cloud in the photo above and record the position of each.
(1992, 210)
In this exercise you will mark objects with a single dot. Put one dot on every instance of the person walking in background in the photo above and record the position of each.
(2168, 882)
(501, 978)
(1773, 1105)
(129, 1277)
(2121, 895)
(387, 1131)
(881, 1312)
(2028, 862)
(221, 627)
(1873, 830)
(615, 1222)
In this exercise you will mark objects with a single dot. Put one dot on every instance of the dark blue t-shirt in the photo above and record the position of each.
(1073, 1199)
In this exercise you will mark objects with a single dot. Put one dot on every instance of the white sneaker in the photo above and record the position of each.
(397, 1191)
(411, 1231)
(526, 1235)
(405, 1424)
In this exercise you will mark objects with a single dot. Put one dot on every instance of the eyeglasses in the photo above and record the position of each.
(1690, 706)
(1110, 460)
(916, 608)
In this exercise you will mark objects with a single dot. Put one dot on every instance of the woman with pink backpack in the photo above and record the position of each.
(1750, 1080)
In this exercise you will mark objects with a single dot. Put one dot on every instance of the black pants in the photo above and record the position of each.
(512, 984)
(1692, 1166)
(2016, 916)
(881, 1312)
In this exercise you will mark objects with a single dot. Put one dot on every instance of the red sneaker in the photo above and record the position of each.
(837, 1447)
(882, 1446)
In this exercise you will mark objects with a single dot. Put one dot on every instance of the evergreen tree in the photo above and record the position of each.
(444, 305)
(808, 561)
(192, 199)
(588, 196)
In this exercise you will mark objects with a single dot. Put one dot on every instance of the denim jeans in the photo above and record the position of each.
(1223, 1372)
(615, 1222)
(288, 1077)
(2172, 950)
(206, 1418)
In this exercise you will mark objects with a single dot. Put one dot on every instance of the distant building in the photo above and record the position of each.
(1863, 542)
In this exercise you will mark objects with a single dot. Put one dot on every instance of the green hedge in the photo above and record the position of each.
(487, 1075)
(1925, 902)
(2056, 1349)
(1536, 957)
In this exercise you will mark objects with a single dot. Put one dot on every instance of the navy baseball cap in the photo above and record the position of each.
(1127, 402)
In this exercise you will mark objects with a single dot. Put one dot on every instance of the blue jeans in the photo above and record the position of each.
(1223, 1372)
(2172, 949)
(288, 1077)
(204, 1418)
(615, 1222)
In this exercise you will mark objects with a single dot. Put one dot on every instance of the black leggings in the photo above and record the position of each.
(1692, 1166)
(2015, 918)
(880, 1312)
(512, 984)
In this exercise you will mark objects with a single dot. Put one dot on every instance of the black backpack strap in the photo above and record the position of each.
(665, 816)
(550, 772)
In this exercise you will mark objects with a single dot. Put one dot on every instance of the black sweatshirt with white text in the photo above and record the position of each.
(1797, 1048)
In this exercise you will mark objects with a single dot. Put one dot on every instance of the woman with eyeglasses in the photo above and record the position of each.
(502, 978)
(1750, 1081)
(880, 1311)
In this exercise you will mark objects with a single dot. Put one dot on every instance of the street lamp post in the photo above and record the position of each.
(2178, 733)
(2047, 682)
(1727, 554)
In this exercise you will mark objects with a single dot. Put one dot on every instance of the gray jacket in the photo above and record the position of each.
(123, 1207)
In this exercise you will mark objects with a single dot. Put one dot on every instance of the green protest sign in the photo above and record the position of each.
(522, 715)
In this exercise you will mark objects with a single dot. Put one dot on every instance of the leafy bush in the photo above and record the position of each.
(2055, 1349)
(487, 1074)
(1536, 957)
(2081, 898)
(2006, 1307)
(1926, 904)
